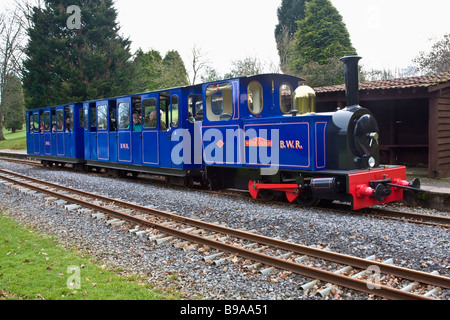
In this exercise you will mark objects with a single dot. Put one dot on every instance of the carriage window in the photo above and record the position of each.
(195, 107)
(124, 115)
(102, 117)
(286, 98)
(150, 118)
(81, 118)
(47, 120)
(86, 117)
(255, 97)
(164, 111)
(219, 102)
(35, 123)
(112, 116)
(93, 112)
(69, 120)
(59, 120)
(175, 111)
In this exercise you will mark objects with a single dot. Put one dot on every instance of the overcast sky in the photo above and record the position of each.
(388, 34)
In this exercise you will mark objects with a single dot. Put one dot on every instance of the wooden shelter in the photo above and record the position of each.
(413, 116)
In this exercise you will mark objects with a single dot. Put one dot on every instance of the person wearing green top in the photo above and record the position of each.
(137, 126)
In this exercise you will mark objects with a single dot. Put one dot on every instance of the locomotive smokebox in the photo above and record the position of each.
(351, 80)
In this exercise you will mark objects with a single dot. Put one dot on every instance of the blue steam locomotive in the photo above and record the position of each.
(259, 133)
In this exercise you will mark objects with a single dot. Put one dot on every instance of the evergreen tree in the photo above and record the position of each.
(288, 14)
(147, 69)
(66, 64)
(174, 71)
(321, 36)
(152, 72)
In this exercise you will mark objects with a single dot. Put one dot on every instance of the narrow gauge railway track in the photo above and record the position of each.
(244, 251)
(385, 213)
(413, 217)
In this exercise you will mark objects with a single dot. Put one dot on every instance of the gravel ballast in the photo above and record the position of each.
(420, 247)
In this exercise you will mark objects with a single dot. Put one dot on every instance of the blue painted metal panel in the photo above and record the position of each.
(289, 142)
(103, 145)
(136, 144)
(125, 151)
(60, 149)
(150, 147)
(223, 144)
(47, 143)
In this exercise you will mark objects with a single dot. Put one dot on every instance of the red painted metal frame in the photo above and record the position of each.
(292, 190)
(358, 186)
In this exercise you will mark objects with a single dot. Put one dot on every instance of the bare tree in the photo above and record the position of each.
(437, 60)
(199, 62)
(285, 42)
(245, 67)
(11, 37)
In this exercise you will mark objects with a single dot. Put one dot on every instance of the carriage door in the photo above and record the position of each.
(169, 112)
(58, 131)
(136, 131)
(92, 131)
(150, 130)
(35, 128)
(102, 131)
(68, 132)
(47, 133)
(124, 130)
(86, 151)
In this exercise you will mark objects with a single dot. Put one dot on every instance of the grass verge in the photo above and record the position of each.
(14, 141)
(33, 266)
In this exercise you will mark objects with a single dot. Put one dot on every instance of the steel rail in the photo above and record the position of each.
(410, 216)
(345, 281)
(289, 246)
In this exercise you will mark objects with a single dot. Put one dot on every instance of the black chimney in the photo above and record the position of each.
(351, 80)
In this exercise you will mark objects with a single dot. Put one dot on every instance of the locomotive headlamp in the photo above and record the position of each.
(371, 162)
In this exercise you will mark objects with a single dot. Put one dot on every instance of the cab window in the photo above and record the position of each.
(219, 102)
(286, 98)
(255, 97)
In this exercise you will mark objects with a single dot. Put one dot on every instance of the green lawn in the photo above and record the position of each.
(33, 266)
(14, 141)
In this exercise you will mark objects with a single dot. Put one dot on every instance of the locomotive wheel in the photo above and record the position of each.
(305, 199)
(267, 195)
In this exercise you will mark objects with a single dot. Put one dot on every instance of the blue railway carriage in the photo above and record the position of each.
(137, 133)
(54, 134)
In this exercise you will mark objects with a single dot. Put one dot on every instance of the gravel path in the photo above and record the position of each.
(415, 246)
